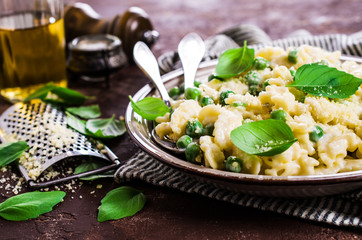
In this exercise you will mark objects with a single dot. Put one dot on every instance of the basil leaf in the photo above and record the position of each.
(9, 152)
(41, 93)
(106, 127)
(121, 202)
(65, 96)
(234, 62)
(88, 166)
(321, 80)
(29, 205)
(86, 112)
(92, 165)
(69, 96)
(97, 128)
(150, 107)
(264, 138)
(77, 124)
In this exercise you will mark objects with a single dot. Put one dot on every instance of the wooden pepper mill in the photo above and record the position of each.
(132, 26)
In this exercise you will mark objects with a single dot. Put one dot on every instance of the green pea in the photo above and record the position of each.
(197, 83)
(233, 164)
(237, 104)
(194, 128)
(292, 72)
(252, 78)
(192, 93)
(254, 90)
(279, 115)
(261, 63)
(265, 84)
(224, 95)
(301, 99)
(206, 101)
(293, 56)
(183, 141)
(209, 129)
(193, 153)
(316, 134)
(174, 92)
(182, 88)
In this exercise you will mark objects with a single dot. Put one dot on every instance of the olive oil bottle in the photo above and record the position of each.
(32, 53)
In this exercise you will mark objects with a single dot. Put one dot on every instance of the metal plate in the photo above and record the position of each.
(290, 186)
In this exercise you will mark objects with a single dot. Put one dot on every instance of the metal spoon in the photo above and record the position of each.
(191, 49)
(147, 62)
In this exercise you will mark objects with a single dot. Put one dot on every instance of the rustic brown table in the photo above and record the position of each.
(169, 214)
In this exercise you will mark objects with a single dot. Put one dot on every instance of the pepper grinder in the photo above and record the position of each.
(132, 26)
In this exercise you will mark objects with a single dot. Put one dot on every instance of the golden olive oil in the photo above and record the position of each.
(31, 53)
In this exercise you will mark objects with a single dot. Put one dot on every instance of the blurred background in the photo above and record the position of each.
(278, 18)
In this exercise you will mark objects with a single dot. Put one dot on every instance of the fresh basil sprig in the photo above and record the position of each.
(92, 165)
(234, 62)
(9, 152)
(321, 80)
(121, 202)
(77, 124)
(97, 128)
(264, 138)
(29, 205)
(150, 107)
(64, 96)
(106, 127)
(86, 112)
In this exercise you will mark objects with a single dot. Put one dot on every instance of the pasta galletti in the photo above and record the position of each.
(327, 131)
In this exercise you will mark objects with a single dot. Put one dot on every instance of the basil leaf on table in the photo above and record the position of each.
(10, 152)
(65, 96)
(29, 205)
(77, 124)
(234, 62)
(321, 80)
(150, 107)
(86, 112)
(121, 202)
(106, 127)
(92, 165)
(41, 93)
(264, 138)
(69, 96)
(97, 128)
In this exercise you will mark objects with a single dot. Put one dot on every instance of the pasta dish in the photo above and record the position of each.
(271, 118)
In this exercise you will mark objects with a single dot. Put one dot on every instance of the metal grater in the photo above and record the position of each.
(34, 123)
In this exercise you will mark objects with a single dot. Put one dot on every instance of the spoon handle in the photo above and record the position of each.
(147, 62)
(191, 50)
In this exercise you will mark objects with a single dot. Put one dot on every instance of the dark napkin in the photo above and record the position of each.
(340, 210)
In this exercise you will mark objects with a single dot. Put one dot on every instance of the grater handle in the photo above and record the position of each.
(33, 184)
(111, 155)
